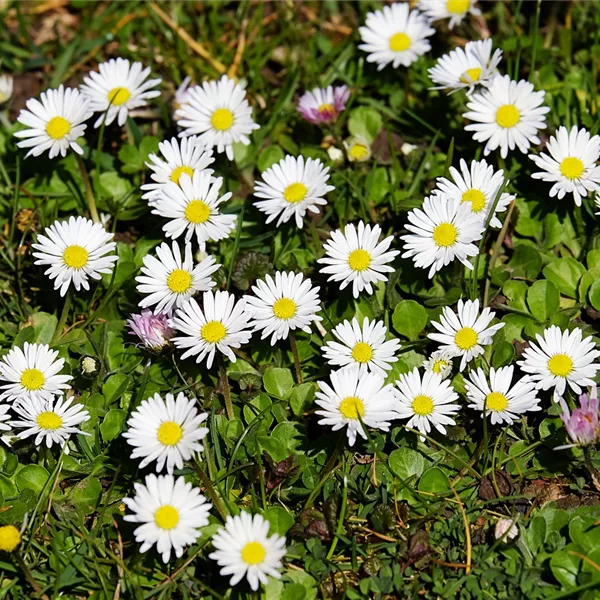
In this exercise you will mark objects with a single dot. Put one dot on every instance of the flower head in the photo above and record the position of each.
(455, 10)
(152, 329)
(323, 105)
(440, 362)
(582, 424)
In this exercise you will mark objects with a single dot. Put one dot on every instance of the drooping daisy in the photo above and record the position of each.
(182, 96)
(118, 88)
(170, 512)
(166, 431)
(291, 187)
(358, 149)
(395, 35)
(6, 88)
(243, 548)
(503, 402)
(356, 256)
(442, 230)
(427, 401)
(323, 105)
(466, 332)
(572, 164)
(193, 207)
(170, 281)
(75, 251)
(478, 186)
(52, 421)
(455, 10)
(54, 122)
(32, 372)
(362, 345)
(440, 362)
(279, 305)
(466, 68)
(352, 397)
(561, 358)
(179, 157)
(153, 330)
(219, 113)
(221, 324)
(507, 114)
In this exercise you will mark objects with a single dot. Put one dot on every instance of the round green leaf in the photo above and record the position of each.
(594, 294)
(365, 122)
(32, 477)
(112, 424)
(409, 319)
(279, 519)
(406, 463)
(543, 299)
(278, 383)
(268, 157)
(434, 481)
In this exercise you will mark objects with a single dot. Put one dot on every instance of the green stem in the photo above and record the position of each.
(211, 492)
(594, 474)
(536, 27)
(236, 244)
(63, 316)
(340, 523)
(226, 388)
(15, 203)
(297, 364)
(89, 192)
(327, 470)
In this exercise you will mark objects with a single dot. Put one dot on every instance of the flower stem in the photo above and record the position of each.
(63, 316)
(89, 192)
(294, 346)
(211, 492)
(226, 388)
(594, 474)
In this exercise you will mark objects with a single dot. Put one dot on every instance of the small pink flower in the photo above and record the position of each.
(153, 330)
(582, 424)
(323, 105)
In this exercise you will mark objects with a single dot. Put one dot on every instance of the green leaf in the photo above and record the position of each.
(409, 319)
(565, 274)
(278, 383)
(504, 353)
(32, 477)
(594, 294)
(543, 300)
(434, 481)
(44, 326)
(113, 186)
(112, 424)
(526, 262)
(268, 157)
(114, 387)
(8, 489)
(565, 567)
(301, 398)
(279, 519)
(536, 534)
(273, 447)
(365, 122)
(84, 495)
(406, 463)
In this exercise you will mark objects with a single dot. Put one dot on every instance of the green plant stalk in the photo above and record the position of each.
(536, 26)
(226, 388)
(297, 364)
(211, 492)
(236, 244)
(89, 192)
(327, 470)
(340, 523)
(15, 200)
(63, 316)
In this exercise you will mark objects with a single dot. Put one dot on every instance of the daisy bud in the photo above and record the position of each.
(153, 330)
(507, 529)
(89, 366)
(582, 424)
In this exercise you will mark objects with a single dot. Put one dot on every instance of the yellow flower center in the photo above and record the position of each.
(58, 127)
(439, 365)
(213, 332)
(296, 192)
(10, 538)
(560, 365)
(476, 198)
(169, 433)
(166, 517)
(496, 401)
(359, 260)
(284, 308)
(179, 281)
(118, 96)
(197, 211)
(572, 168)
(471, 75)
(32, 379)
(399, 42)
(75, 256)
(253, 553)
(445, 235)
(362, 352)
(326, 108)
(465, 338)
(352, 407)
(422, 405)
(49, 420)
(358, 151)
(179, 171)
(222, 119)
(457, 7)
(508, 116)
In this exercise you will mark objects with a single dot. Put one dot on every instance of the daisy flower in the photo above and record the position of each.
(283, 304)
(395, 35)
(466, 332)
(51, 421)
(4, 416)
(153, 330)
(6, 88)
(243, 548)
(358, 149)
(193, 208)
(583, 424)
(291, 187)
(561, 358)
(170, 512)
(356, 256)
(362, 345)
(166, 431)
(455, 10)
(182, 96)
(323, 105)
(439, 362)
(54, 122)
(170, 281)
(478, 186)
(32, 372)
(507, 114)
(75, 251)
(353, 397)
(503, 402)
(219, 112)
(442, 230)
(427, 401)
(221, 324)
(571, 166)
(466, 68)
(118, 88)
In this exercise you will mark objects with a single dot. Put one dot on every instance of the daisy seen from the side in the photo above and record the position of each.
(323, 105)
(455, 10)
(6, 88)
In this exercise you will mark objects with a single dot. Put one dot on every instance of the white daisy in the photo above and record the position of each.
(170, 281)
(571, 165)
(221, 324)
(354, 397)
(466, 332)
(440, 362)
(117, 89)
(219, 112)
(51, 421)
(477, 186)
(506, 114)
(503, 401)
(179, 157)
(356, 256)
(466, 68)
(32, 372)
(75, 250)
(395, 35)
(455, 10)
(362, 345)
(291, 187)
(426, 401)
(54, 122)
(442, 230)
(170, 512)
(4, 416)
(6, 88)
(561, 358)
(182, 96)
(288, 302)
(166, 431)
(243, 548)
